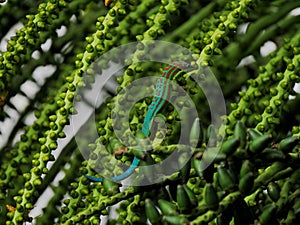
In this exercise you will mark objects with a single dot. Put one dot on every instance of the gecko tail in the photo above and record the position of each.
(129, 171)
(124, 175)
(97, 179)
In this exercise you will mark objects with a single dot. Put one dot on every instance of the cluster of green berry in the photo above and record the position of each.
(253, 179)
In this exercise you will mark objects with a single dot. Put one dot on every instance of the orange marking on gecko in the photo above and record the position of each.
(120, 151)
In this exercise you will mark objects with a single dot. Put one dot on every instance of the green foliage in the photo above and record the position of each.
(254, 179)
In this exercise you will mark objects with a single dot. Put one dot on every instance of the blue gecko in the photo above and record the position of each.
(161, 92)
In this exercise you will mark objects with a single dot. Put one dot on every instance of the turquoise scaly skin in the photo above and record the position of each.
(171, 72)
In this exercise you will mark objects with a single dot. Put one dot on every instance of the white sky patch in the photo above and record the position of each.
(246, 61)
(47, 45)
(30, 88)
(267, 48)
(10, 33)
(8, 124)
(42, 72)
(36, 54)
(297, 88)
(295, 12)
(242, 28)
(29, 119)
(61, 31)
(20, 102)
